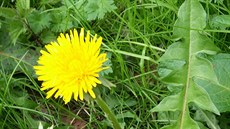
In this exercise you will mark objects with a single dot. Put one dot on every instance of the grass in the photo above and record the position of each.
(136, 34)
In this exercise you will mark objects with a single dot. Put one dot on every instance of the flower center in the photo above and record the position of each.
(76, 68)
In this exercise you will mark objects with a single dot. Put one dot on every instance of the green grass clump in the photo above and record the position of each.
(135, 34)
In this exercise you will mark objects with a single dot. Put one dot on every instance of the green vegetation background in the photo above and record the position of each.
(136, 33)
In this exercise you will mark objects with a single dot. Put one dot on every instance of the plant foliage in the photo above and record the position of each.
(190, 79)
(67, 14)
(185, 62)
(98, 8)
(219, 92)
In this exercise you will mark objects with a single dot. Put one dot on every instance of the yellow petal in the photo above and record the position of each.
(92, 93)
(51, 92)
(80, 92)
(76, 91)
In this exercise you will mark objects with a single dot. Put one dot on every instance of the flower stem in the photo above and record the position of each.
(108, 112)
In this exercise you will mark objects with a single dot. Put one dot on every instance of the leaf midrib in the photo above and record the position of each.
(188, 74)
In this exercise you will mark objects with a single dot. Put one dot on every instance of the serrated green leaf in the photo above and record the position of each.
(48, 36)
(22, 4)
(7, 12)
(107, 64)
(219, 93)
(60, 20)
(23, 7)
(77, 7)
(39, 21)
(98, 8)
(186, 60)
(16, 28)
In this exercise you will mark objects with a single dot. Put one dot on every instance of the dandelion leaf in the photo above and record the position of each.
(169, 103)
(219, 93)
(183, 62)
(207, 117)
(189, 123)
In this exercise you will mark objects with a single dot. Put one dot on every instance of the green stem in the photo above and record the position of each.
(1, 109)
(108, 112)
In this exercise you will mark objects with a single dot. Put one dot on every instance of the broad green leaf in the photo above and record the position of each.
(207, 117)
(170, 103)
(183, 62)
(11, 54)
(219, 93)
(167, 117)
(19, 96)
(221, 64)
(190, 123)
(220, 22)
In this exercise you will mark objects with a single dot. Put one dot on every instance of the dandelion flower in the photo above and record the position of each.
(71, 66)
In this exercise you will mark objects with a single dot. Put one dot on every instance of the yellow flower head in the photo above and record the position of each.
(71, 65)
